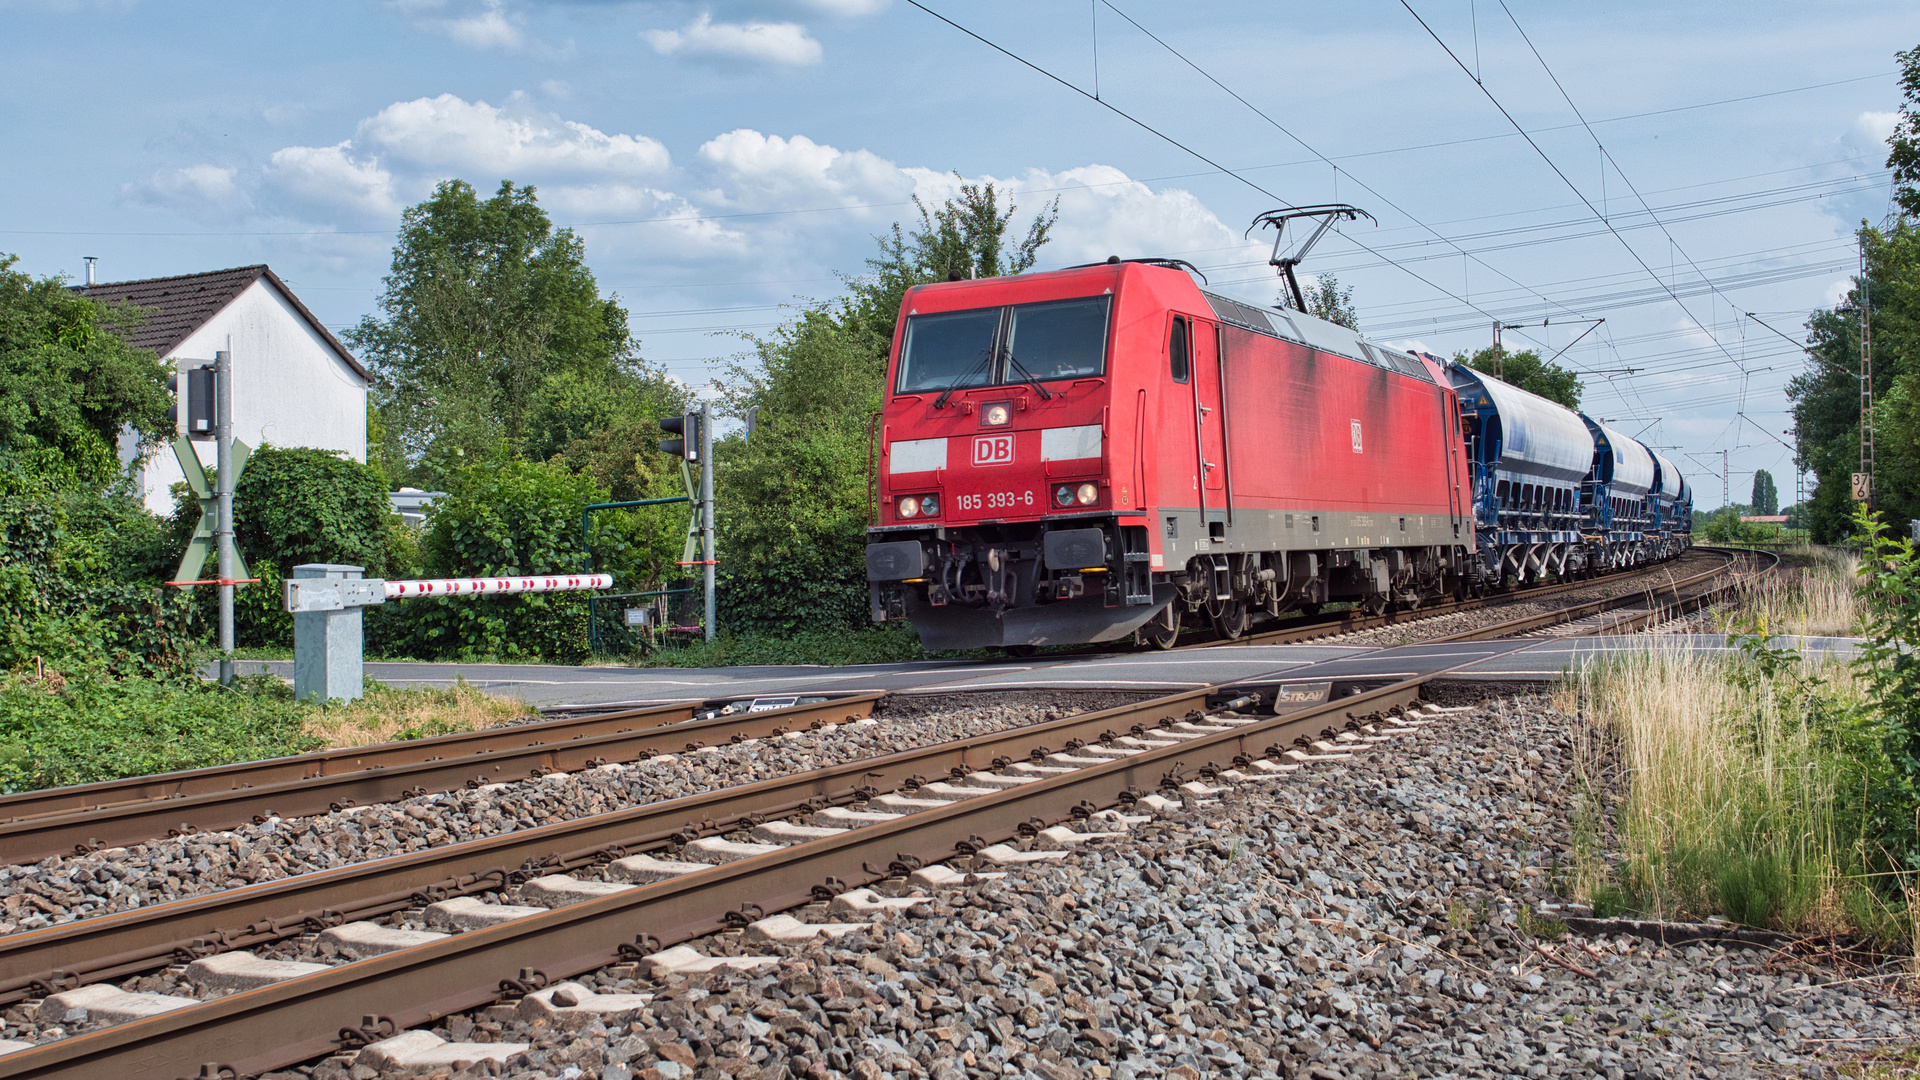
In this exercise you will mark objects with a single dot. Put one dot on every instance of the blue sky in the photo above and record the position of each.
(723, 159)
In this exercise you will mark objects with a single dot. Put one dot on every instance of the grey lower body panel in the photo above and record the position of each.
(1184, 535)
(1063, 622)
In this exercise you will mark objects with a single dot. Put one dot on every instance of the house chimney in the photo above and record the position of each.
(90, 260)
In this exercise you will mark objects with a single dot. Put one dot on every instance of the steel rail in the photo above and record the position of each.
(286, 1023)
(515, 757)
(174, 785)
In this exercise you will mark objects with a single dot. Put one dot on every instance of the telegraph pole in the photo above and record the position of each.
(706, 506)
(1865, 312)
(223, 497)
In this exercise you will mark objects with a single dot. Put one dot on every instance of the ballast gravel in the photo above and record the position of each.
(61, 889)
(1355, 918)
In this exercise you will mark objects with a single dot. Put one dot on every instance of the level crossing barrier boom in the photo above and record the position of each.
(327, 599)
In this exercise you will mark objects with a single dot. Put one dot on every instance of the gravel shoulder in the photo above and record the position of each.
(1355, 918)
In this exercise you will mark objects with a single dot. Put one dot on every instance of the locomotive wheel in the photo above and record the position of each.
(1163, 631)
(1232, 620)
(1019, 651)
(1309, 610)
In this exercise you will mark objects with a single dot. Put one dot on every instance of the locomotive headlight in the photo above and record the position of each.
(910, 506)
(929, 506)
(1087, 494)
(1063, 495)
(996, 414)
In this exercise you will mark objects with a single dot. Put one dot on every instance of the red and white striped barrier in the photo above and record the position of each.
(497, 586)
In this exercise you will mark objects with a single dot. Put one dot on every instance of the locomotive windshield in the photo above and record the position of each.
(958, 350)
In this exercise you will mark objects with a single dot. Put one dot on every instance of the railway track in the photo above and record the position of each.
(60, 821)
(996, 787)
(817, 831)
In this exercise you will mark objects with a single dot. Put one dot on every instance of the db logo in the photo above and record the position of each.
(993, 450)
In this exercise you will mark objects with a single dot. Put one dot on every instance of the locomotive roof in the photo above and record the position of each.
(1304, 329)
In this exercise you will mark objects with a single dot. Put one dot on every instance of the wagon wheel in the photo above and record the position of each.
(1163, 630)
(1019, 652)
(1232, 621)
(1309, 609)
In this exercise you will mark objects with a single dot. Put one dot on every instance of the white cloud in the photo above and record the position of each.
(485, 25)
(772, 43)
(1877, 125)
(767, 170)
(450, 132)
(203, 191)
(1105, 212)
(329, 178)
(671, 222)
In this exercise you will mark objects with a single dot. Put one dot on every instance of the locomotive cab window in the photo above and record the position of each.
(1066, 339)
(1179, 351)
(952, 349)
(1001, 346)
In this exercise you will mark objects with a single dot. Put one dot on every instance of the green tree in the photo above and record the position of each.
(70, 385)
(1826, 396)
(1766, 497)
(1327, 300)
(485, 303)
(794, 499)
(1904, 144)
(1527, 371)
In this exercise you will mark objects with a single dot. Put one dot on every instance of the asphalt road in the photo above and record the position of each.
(1520, 660)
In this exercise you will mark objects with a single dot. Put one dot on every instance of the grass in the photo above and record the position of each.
(1729, 796)
(60, 729)
(1814, 595)
(387, 714)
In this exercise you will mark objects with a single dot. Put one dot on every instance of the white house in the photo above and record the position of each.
(294, 384)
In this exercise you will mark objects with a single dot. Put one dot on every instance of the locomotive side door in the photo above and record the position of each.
(1210, 420)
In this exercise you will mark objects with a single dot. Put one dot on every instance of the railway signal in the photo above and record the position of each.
(687, 428)
(695, 445)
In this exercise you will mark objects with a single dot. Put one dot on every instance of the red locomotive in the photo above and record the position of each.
(1078, 455)
(1109, 450)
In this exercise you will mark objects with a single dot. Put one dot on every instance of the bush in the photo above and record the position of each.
(79, 576)
(511, 517)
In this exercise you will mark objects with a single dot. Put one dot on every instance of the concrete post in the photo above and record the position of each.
(327, 657)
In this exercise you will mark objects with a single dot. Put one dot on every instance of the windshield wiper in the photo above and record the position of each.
(1031, 379)
(941, 401)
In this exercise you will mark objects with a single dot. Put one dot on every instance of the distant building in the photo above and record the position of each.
(1765, 519)
(412, 504)
(294, 384)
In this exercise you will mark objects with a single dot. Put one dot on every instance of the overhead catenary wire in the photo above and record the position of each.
(1165, 137)
(1277, 126)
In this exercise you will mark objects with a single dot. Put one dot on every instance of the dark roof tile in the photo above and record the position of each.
(177, 306)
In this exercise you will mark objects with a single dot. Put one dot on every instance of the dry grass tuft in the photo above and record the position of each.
(388, 713)
(1816, 600)
(1729, 794)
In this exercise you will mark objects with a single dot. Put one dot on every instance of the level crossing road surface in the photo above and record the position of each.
(1519, 660)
